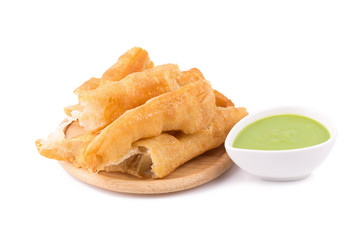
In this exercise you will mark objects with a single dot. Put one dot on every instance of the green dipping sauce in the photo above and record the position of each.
(281, 132)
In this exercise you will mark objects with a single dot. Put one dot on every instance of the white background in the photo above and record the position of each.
(259, 53)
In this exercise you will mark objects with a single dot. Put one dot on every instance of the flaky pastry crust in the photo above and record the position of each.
(141, 119)
(101, 106)
(158, 156)
(134, 60)
(188, 109)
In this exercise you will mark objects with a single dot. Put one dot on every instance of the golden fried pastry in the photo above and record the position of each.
(158, 156)
(101, 106)
(64, 148)
(190, 76)
(193, 75)
(90, 84)
(188, 109)
(141, 119)
(186, 77)
(69, 110)
(134, 60)
(221, 100)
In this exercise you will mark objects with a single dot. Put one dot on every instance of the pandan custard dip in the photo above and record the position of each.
(281, 132)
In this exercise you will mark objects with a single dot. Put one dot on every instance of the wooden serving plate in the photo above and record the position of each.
(196, 172)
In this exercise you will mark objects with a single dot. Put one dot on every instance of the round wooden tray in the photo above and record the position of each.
(198, 171)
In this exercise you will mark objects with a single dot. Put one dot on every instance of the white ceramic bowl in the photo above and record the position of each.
(281, 165)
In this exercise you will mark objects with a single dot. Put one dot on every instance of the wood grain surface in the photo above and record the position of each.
(197, 171)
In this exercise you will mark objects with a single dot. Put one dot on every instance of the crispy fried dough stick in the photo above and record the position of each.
(188, 109)
(61, 148)
(190, 76)
(134, 60)
(221, 100)
(193, 75)
(158, 156)
(71, 109)
(186, 77)
(103, 105)
(64, 148)
(90, 84)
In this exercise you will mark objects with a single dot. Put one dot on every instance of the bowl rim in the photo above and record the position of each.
(267, 111)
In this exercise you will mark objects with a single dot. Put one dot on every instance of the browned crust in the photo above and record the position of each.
(189, 109)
